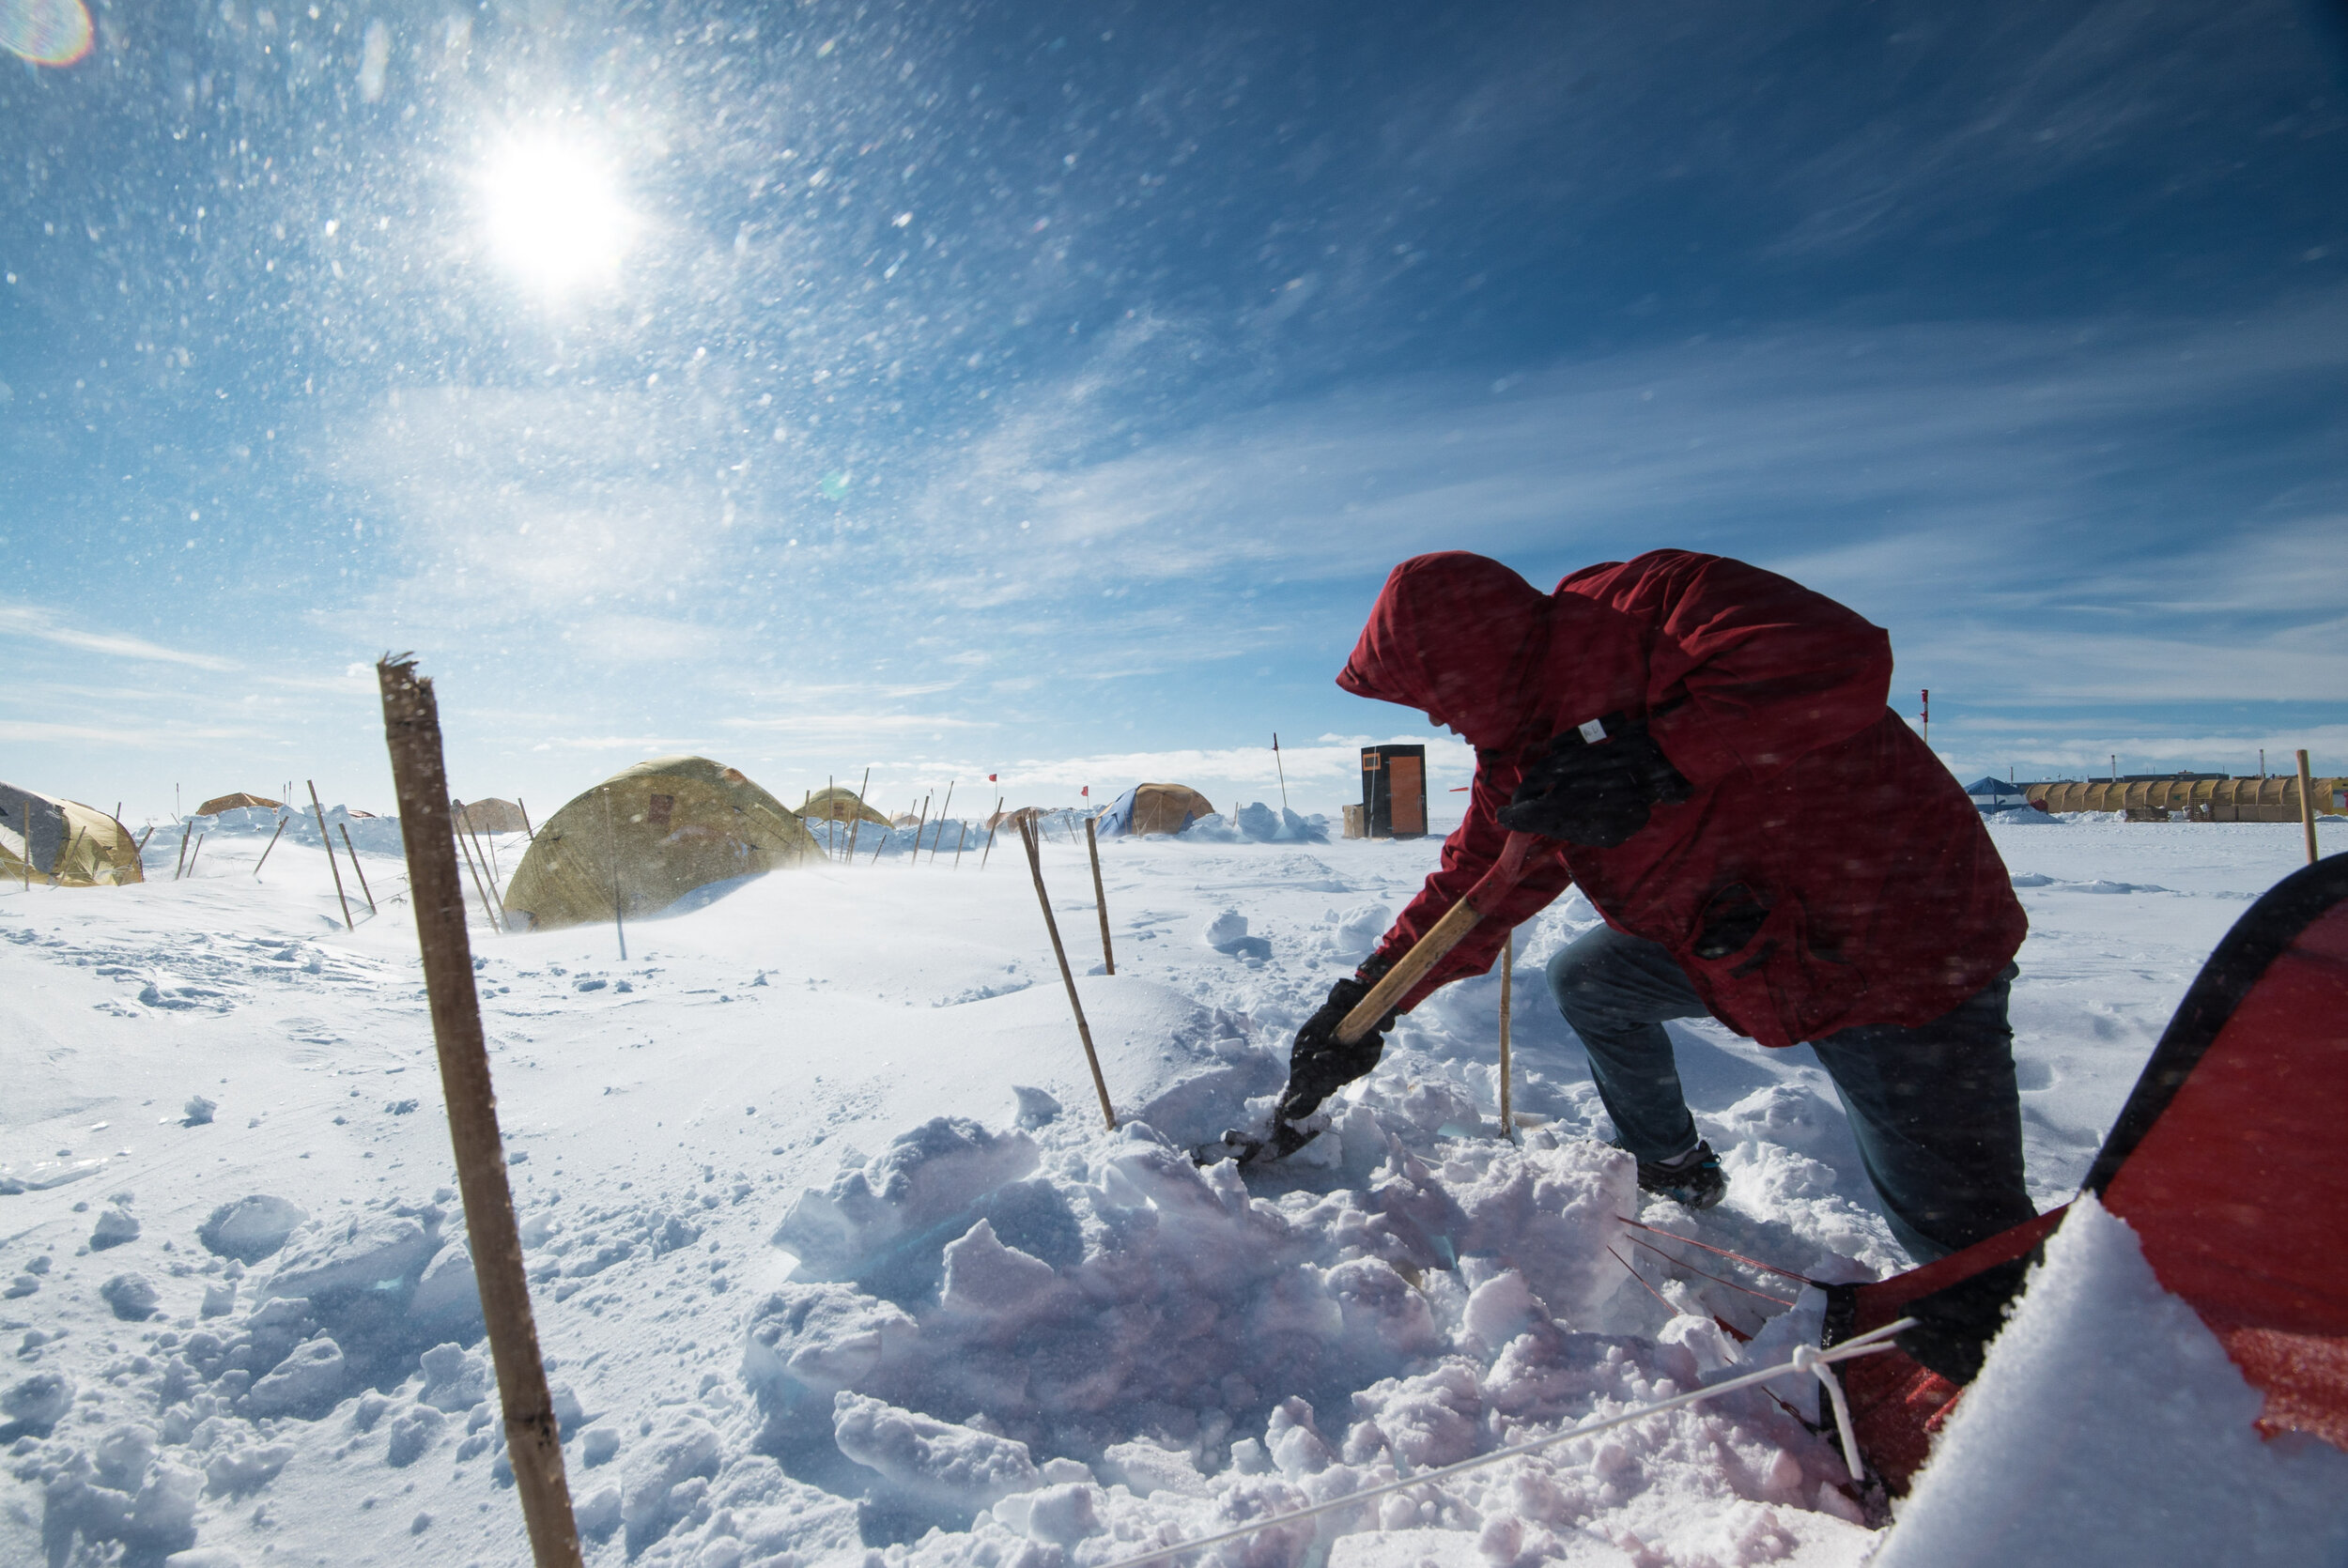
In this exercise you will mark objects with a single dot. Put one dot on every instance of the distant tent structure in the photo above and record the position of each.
(648, 835)
(1148, 808)
(839, 803)
(238, 802)
(490, 816)
(1013, 818)
(66, 844)
(1996, 794)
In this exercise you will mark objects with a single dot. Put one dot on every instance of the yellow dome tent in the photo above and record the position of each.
(491, 815)
(240, 801)
(648, 835)
(72, 845)
(838, 803)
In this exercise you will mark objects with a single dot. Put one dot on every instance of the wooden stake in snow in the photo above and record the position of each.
(527, 831)
(941, 822)
(858, 820)
(360, 869)
(1507, 987)
(992, 823)
(412, 726)
(1068, 978)
(331, 864)
(488, 868)
(1283, 767)
(961, 832)
(178, 866)
(1100, 898)
(2307, 805)
(919, 823)
(264, 860)
(488, 909)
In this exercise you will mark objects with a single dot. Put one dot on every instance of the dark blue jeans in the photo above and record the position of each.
(1934, 1108)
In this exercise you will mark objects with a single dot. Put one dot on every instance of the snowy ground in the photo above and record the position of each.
(802, 1316)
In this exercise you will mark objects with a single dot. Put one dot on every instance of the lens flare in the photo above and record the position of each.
(554, 215)
(46, 32)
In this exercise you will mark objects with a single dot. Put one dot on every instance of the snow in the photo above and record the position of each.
(2108, 1427)
(832, 1253)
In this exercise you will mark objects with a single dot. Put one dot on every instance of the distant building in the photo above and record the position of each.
(1996, 794)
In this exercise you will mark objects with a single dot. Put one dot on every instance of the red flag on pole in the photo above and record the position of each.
(1085, 792)
(990, 778)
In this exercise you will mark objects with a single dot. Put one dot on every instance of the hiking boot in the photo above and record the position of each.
(1695, 1180)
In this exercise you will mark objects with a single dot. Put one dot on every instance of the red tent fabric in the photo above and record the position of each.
(2222, 1162)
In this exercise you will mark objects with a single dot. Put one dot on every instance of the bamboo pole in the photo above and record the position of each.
(488, 868)
(992, 823)
(882, 845)
(527, 831)
(1100, 898)
(66, 859)
(140, 848)
(942, 810)
(610, 837)
(1507, 987)
(191, 855)
(270, 845)
(1084, 1031)
(857, 822)
(1283, 767)
(328, 845)
(488, 910)
(357, 867)
(533, 1446)
(961, 832)
(2307, 805)
(917, 827)
(179, 865)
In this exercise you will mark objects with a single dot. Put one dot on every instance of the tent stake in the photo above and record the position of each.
(941, 822)
(1508, 986)
(282, 821)
(1068, 978)
(178, 866)
(412, 726)
(1100, 898)
(331, 864)
(2307, 805)
(456, 809)
(921, 822)
(357, 867)
(191, 855)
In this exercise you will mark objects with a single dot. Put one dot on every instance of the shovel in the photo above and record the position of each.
(1429, 950)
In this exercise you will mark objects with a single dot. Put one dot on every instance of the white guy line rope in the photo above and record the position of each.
(1805, 1359)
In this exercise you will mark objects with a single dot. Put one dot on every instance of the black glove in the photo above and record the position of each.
(1319, 1066)
(1595, 792)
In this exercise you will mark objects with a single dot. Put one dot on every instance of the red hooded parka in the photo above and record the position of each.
(1887, 901)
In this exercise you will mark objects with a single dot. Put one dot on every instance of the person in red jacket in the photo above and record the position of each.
(1769, 843)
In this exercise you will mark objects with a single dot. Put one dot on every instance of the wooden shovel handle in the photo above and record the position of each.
(1448, 932)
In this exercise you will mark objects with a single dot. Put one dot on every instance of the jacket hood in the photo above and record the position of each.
(1459, 636)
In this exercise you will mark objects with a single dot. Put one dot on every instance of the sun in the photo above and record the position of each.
(554, 214)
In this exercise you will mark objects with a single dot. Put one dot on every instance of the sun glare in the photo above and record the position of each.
(554, 215)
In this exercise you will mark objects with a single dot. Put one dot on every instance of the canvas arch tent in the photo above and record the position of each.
(2220, 1162)
(1149, 808)
(838, 803)
(66, 844)
(647, 836)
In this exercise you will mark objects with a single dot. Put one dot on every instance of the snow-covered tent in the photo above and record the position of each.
(1996, 794)
(66, 844)
(648, 835)
(1148, 808)
(2217, 1163)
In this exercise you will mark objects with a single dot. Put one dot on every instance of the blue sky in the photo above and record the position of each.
(1045, 389)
